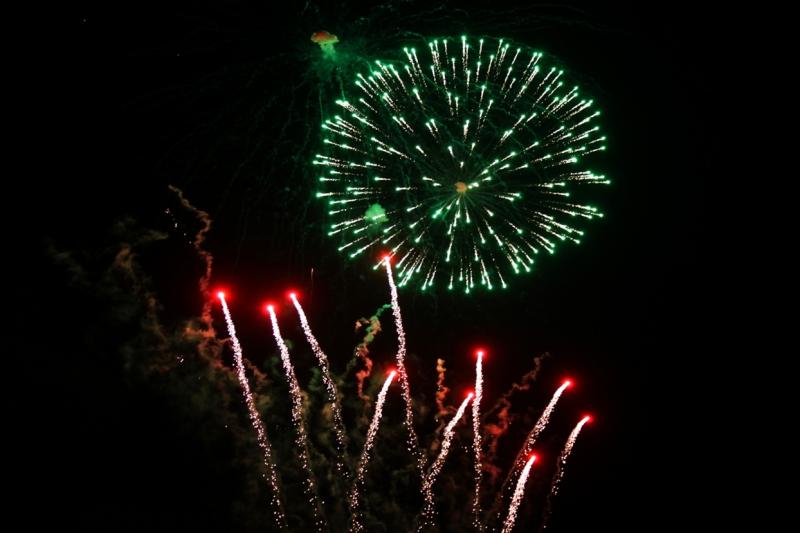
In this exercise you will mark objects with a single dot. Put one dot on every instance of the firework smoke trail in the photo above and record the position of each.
(476, 444)
(519, 492)
(562, 462)
(207, 333)
(412, 439)
(441, 388)
(301, 440)
(355, 524)
(338, 427)
(258, 426)
(436, 467)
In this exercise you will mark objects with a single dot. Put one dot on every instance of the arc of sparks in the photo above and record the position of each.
(427, 486)
(562, 463)
(412, 439)
(301, 439)
(519, 492)
(262, 437)
(354, 498)
(330, 387)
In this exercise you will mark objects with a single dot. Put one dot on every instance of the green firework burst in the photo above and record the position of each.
(460, 163)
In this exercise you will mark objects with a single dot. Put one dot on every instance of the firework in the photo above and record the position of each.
(519, 492)
(465, 161)
(355, 524)
(258, 426)
(541, 423)
(436, 467)
(476, 435)
(527, 446)
(354, 496)
(412, 440)
(330, 386)
(301, 440)
(562, 463)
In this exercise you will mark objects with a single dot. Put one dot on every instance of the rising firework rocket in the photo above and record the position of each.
(255, 419)
(562, 463)
(530, 440)
(356, 523)
(476, 444)
(527, 446)
(519, 492)
(436, 467)
(543, 420)
(330, 386)
(412, 439)
(301, 440)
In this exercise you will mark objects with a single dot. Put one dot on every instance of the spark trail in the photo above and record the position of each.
(354, 499)
(436, 467)
(541, 423)
(527, 447)
(519, 492)
(476, 443)
(412, 440)
(258, 426)
(301, 440)
(562, 463)
(330, 386)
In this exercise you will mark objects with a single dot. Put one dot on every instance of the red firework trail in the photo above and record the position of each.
(436, 467)
(412, 441)
(255, 419)
(330, 386)
(562, 463)
(354, 499)
(476, 444)
(301, 440)
(519, 492)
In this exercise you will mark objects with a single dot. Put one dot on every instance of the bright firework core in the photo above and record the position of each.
(503, 123)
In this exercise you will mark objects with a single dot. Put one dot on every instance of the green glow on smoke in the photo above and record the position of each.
(432, 147)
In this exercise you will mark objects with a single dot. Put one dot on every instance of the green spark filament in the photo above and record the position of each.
(462, 163)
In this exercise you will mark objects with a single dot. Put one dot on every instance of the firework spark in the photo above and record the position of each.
(476, 444)
(330, 386)
(516, 476)
(562, 463)
(436, 467)
(412, 440)
(354, 499)
(527, 446)
(258, 426)
(519, 492)
(541, 423)
(301, 440)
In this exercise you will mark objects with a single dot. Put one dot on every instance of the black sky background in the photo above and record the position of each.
(618, 313)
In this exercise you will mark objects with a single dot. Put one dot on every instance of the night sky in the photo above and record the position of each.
(224, 103)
